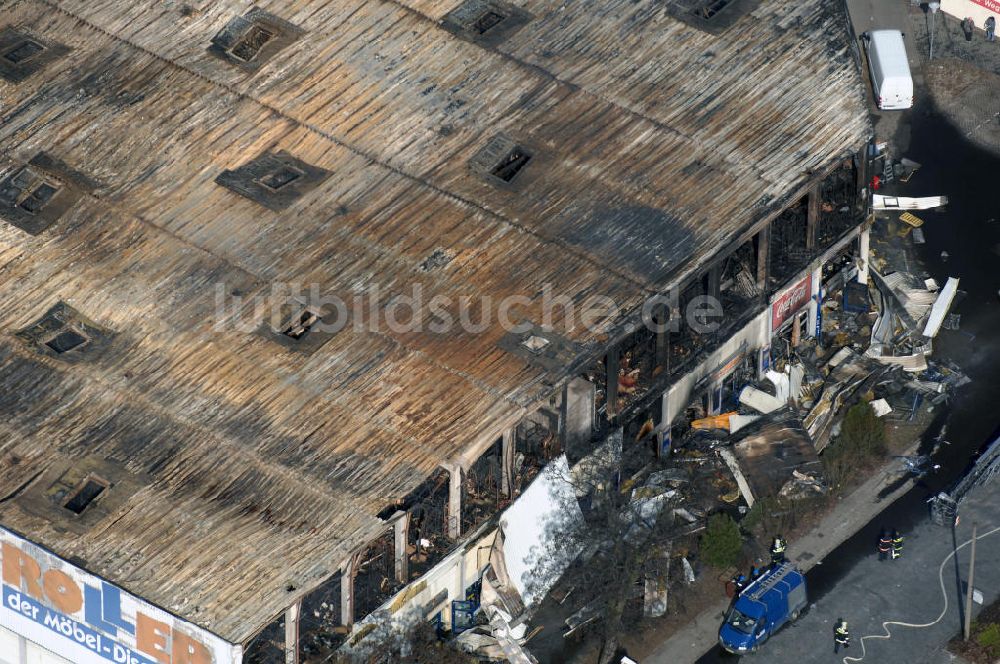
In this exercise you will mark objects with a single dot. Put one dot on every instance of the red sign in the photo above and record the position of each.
(790, 302)
(992, 5)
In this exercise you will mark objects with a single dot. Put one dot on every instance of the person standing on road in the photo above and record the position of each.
(884, 545)
(991, 28)
(778, 550)
(897, 544)
(841, 637)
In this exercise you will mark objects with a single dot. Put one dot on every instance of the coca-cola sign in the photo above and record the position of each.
(790, 302)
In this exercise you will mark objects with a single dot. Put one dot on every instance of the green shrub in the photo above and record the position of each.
(862, 438)
(863, 432)
(989, 638)
(721, 544)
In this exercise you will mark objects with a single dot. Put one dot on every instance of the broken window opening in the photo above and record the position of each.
(280, 177)
(376, 581)
(301, 324)
(481, 489)
(427, 539)
(508, 167)
(23, 51)
(84, 496)
(320, 626)
(66, 340)
(487, 21)
(840, 206)
(250, 44)
(789, 250)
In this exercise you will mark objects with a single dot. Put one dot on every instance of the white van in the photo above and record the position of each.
(890, 70)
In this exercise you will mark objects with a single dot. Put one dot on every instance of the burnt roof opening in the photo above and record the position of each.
(301, 324)
(512, 164)
(485, 22)
(489, 20)
(35, 195)
(23, 51)
(274, 179)
(712, 16)
(23, 54)
(280, 177)
(251, 40)
(67, 340)
(248, 46)
(81, 499)
(38, 197)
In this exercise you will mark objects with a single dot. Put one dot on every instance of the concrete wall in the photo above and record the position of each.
(979, 10)
(458, 570)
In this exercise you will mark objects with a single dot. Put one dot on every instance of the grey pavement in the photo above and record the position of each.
(906, 590)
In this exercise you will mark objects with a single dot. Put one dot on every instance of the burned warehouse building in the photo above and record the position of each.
(220, 443)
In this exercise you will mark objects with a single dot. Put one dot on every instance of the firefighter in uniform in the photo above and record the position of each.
(897, 544)
(778, 551)
(841, 637)
(884, 544)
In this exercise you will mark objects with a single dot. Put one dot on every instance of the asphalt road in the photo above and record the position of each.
(922, 588)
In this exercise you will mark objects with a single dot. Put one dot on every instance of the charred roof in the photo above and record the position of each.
(635, 146)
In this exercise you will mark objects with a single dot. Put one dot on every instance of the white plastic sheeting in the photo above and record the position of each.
(880, 202)
(533, 523)
(941, 307)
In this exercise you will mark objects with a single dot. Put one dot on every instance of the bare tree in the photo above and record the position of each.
(620, 541)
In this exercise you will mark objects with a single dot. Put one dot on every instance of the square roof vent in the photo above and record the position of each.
(274, 179)
(63, 333)
(485, 22)
(501, 161)
(712, 16)
(34, 195)
(23, 54)
(250, 40)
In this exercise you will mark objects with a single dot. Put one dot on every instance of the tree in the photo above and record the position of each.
(605, 556)
(722, 543)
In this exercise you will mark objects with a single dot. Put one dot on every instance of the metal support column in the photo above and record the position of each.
(507, 452)
(611, 388)
(400, 526)
(347, 591)
(454, 502)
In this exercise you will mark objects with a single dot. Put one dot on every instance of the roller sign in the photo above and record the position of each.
(89, 621)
